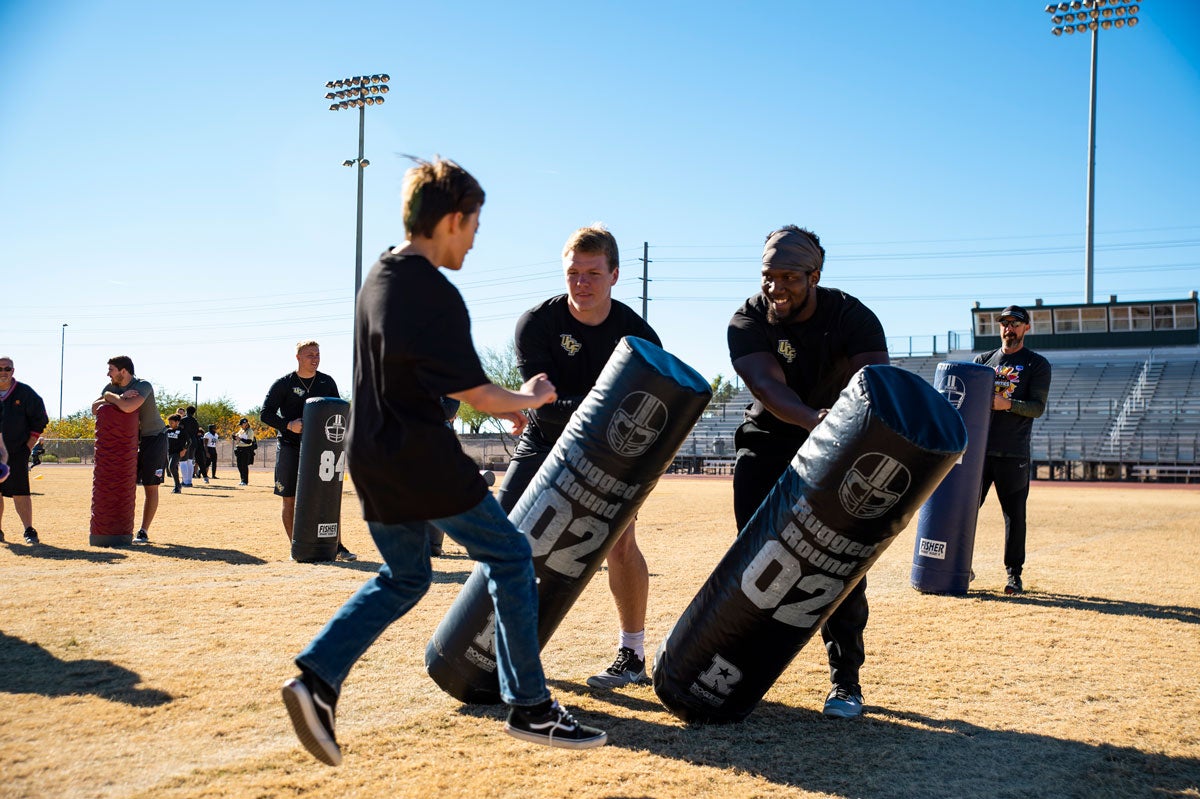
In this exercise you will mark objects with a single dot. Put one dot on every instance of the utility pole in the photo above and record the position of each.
(645, 280)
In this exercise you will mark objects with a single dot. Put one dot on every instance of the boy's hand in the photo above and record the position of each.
(518, 420)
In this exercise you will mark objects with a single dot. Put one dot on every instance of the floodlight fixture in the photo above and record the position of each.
(358, 92)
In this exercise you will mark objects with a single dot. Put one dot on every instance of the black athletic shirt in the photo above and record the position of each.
(550, 340)
(814, 354)
(285, 402)
(1024, 378)
(412, 346)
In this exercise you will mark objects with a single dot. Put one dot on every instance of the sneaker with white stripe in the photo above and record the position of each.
(312, 707)
(554, 727)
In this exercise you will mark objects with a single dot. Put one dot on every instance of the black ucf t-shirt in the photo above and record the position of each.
(550, 340)
(412, 345)
(814, 355)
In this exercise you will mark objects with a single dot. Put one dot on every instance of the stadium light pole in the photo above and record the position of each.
(61, 362)
(1081, 16)
(196, 378)
(357, 92)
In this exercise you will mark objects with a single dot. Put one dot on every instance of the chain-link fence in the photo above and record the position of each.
(83, 450)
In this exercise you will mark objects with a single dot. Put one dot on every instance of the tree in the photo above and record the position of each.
(722, 393)
(501, 368)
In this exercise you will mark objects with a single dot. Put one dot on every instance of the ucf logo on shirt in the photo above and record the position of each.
(786, 349)
(569, 344)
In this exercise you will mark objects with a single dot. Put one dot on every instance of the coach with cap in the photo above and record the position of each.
(1021, 390)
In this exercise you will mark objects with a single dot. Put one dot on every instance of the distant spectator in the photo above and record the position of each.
(23, 418)
(131, 394)
(177, 449)
(244, 445)
(35, 455)
(210, 451)
(191, 429)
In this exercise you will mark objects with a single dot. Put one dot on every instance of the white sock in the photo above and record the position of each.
(635, 641)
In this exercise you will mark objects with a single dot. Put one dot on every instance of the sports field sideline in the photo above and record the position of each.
(155, 671)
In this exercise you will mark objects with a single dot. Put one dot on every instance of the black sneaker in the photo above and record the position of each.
(345, 554)
(1013, 586)
(312, 706)
(627, 669)
(141, 537)
(1, 536)
(554, 727)
(31, 536)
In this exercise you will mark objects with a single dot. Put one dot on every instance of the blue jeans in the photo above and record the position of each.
(503, 552)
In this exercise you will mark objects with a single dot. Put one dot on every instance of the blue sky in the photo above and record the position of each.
(171, 184)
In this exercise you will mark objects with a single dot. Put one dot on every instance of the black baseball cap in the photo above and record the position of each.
(243, 420)
(1015, 312)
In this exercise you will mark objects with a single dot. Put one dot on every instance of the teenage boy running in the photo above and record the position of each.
(412, 344)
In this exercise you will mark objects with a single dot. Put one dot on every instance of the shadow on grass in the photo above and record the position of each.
(26, 668)
(51, 552)
(440, 577)
(184, 552)
(889, 753)
(1097, 604)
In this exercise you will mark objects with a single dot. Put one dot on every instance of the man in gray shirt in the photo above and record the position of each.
(131, 394)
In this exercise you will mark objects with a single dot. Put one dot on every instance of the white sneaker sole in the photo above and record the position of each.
(558, 743)
(310, 731)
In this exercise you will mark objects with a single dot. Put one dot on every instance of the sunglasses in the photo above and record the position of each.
(6, 368)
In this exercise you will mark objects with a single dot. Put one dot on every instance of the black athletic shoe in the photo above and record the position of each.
(312, 706)
(554, 727)
(1014, 585)
(1, 536)
(31, 536)
(345, 554)
(141, 537)
(627, 669)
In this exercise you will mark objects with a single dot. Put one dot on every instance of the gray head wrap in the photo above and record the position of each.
(787, 249)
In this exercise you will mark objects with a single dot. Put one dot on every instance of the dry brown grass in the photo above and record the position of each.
(154, 672)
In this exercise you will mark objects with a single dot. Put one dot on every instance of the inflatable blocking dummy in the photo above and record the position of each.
(853, 486)
(114, 478)
(617, 444)
(319, 483)
(946, 523)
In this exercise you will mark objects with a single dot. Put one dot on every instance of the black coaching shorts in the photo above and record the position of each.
(287, 470)
(17, 484)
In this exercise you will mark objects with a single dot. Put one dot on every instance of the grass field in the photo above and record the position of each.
(155, 671)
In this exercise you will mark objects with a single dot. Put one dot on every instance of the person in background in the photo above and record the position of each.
(244, 445)
(23, 419)
(1022, 389)
(177, 449)
(210, 451)
(283, 409)
(130, 394)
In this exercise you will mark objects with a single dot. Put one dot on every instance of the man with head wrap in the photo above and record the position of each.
(796, 345)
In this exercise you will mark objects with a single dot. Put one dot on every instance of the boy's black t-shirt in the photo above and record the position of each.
(412, 346)
(550, 340)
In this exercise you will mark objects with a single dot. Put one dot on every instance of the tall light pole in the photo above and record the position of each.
(1081, 16)
(357, 92)
(197, 379)
(61, 361)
